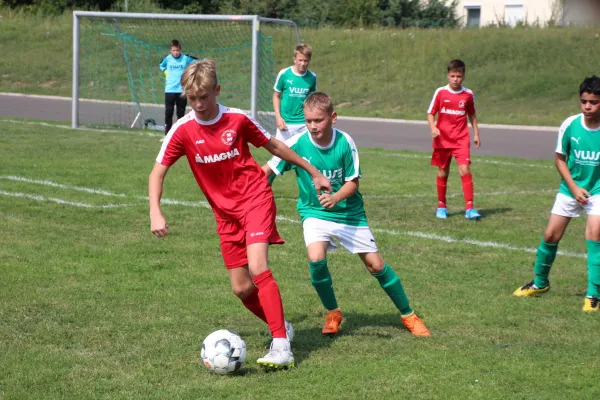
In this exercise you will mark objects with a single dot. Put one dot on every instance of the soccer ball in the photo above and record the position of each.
(223, 352)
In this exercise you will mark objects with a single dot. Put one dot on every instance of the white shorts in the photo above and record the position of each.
(569, 207)
(292, 130)
(355, 239)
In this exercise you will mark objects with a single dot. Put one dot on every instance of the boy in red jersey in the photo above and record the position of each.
(214, 139)
(451, 138)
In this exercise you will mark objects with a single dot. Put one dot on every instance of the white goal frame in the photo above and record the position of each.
(255, 19)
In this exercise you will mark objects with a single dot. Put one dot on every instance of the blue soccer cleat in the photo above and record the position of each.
(472, 214)
(441, 213)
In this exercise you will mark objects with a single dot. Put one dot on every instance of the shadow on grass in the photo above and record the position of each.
(309, 340)
(485, 212)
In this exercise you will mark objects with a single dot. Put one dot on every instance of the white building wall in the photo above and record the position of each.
(509, 11)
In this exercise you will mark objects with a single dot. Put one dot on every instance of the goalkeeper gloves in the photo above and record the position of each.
(165, 72)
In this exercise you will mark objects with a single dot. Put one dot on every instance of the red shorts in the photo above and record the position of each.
(442, 157)
(257, 226)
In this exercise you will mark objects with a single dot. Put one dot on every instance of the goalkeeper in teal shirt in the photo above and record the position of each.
(338, 215)
(173, 66)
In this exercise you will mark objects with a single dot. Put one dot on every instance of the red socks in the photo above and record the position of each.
(270, 302)
(467, 186)
(442, 184)
(252, 303)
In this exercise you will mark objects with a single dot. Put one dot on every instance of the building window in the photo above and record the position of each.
(513, 14)
(473, 17)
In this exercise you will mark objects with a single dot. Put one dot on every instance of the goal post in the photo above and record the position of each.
(117, 81)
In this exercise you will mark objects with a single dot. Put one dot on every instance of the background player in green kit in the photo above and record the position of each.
(577, 159)
(339, 214)
(292, 86)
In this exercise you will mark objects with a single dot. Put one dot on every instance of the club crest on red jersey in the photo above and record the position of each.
(461, 104)
(228, 137)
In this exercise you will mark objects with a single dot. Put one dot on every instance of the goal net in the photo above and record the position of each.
(117, 81)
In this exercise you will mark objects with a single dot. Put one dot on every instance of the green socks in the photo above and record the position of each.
(544, 257)
(593, 264)
(271, 179)
(390, 282)
(321, 281)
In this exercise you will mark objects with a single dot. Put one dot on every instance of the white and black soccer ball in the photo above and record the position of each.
(223, 352)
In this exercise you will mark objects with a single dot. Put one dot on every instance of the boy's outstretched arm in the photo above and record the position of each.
(476, 138)
(580, 194)
(329, 200)
(279, 149)
(158, 224)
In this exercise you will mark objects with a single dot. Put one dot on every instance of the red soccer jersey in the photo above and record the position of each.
(452, 109)
(220, 159)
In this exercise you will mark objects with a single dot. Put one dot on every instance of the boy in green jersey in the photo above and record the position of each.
(292, 86)
(339, 214)
(577, 159)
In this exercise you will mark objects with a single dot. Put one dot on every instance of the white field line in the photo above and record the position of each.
(476, 159)
(432, 194)
(60, 201)
(448, 239)
(204, 204)
(100, 191)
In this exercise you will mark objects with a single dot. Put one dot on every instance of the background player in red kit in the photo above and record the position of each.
(451, 137)
(214, 139)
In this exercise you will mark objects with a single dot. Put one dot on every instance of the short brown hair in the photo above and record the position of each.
(319, 100)
(457, 65)
(175, 43)
(303, 49)
(199, 75)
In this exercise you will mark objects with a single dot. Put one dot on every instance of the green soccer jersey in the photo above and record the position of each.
(294, 90)
(581, 146)
(338, 161)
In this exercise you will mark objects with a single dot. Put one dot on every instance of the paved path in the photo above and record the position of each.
(518, 142)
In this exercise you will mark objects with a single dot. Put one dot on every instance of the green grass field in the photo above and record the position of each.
(93, 306)
(524, 76)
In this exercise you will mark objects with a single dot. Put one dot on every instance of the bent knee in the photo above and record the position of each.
(243, 291)
(375, 267)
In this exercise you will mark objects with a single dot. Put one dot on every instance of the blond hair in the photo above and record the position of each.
(199, 76)
(320, 101)
(303, 49)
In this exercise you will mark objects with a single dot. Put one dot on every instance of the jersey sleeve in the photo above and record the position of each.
(471, 104)
(564, 138)
(163, 64)
(351, 161)
(434, 105)
(278, 165)
(254, 133)
(314, 86)
(172, 148)
(279, 82)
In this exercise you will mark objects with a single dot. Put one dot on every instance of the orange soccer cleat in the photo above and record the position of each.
(333, 321)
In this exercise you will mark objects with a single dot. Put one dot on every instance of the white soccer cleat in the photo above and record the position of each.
(277, 359)
(289, 331)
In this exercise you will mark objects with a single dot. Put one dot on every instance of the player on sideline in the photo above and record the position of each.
(451, 138)
(339, 214)
(292, 86)
(173, 66)
(577, 159)
(214, 139)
